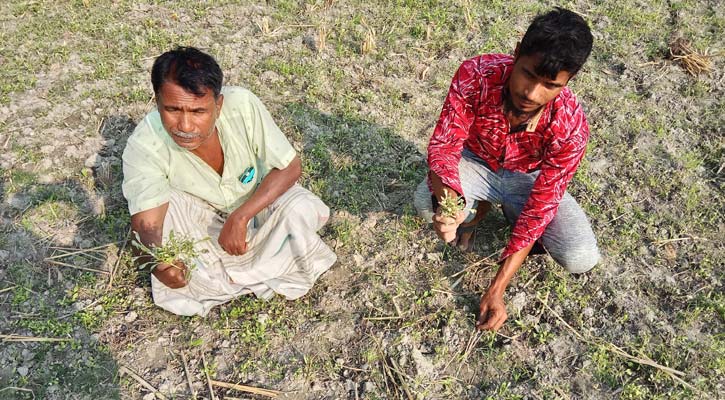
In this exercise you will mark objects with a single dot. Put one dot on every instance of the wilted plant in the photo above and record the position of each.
(175, 250)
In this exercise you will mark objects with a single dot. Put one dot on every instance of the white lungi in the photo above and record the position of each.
(284, 253)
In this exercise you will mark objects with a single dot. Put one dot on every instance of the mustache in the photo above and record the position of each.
(186, 135)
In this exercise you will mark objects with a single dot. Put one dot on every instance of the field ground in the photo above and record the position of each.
(357, 87)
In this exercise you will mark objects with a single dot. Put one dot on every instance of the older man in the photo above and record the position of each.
(210, 162)
(512, 133)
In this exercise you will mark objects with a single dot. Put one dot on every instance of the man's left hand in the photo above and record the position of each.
(233, 237)
(492, 312)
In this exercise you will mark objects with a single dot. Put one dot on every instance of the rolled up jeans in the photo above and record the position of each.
(568, 237)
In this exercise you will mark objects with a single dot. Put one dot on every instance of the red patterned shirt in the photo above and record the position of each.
(473, 117)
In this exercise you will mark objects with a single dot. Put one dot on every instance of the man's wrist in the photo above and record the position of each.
(496, 290)
(240, 216)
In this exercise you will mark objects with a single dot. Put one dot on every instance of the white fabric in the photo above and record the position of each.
(285, 255)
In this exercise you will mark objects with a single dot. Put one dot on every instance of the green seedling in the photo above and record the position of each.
(176, 251)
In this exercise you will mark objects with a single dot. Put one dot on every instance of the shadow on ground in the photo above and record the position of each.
(50, 232)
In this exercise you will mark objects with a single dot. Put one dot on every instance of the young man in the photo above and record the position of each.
(209, 162)
(512, 133)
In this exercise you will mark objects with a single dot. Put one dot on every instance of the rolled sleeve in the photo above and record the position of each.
(145, 179)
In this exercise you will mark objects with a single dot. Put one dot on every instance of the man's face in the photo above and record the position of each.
(530, 91)
(187, 118)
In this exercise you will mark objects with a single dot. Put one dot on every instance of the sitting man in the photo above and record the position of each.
(512, 133)
(209, 162)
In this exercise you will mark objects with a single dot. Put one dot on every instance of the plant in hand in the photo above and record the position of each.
(450, 206)
(176, 251)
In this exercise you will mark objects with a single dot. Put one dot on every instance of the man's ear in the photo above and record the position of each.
(570, 78)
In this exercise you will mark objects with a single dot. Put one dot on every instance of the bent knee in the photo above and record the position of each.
(579, 261)
(310, 210)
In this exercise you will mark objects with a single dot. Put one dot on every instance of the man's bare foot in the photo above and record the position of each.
(465, 236)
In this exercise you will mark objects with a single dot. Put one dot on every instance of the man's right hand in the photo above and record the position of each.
(173, 276)
(446, 227)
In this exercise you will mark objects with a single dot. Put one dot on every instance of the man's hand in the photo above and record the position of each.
(492, 312)
(446, 227)
(173, 276)
(233, 237)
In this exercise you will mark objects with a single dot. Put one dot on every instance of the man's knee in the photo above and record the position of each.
(581, 260)
(309, 209)
(423, 201)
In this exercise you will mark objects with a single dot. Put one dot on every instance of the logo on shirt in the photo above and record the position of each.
(247, 176)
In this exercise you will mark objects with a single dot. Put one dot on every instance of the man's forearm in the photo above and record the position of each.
(149, 225)
(273, 185)
(439, 188)
(507, 270)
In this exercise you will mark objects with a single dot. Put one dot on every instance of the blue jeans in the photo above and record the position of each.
(568, 237)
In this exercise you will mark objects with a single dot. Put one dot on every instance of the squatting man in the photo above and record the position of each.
(511, 133)
(210, 162)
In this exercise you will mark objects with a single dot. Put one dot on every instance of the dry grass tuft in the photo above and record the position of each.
(694, 62)
(368, 44)
(263, 25)
(321, 37)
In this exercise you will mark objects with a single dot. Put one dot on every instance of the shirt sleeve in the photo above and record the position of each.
(270, 145)
(560, 162)
(145, 179)
(446, 143)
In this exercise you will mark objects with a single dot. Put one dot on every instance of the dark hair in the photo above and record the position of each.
(189, 68)
(563, 40)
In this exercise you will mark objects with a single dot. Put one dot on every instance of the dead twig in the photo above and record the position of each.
(21, 338)
(472, 342)
(474, 265)
(665, 241)
(247, 389)
(7, 289)
(19, 389)
(74, 250)
(118, 260)
(92, 304)
(392, 374)
(401, 378)
(143, 382)
(188, 376)
(98, 271)
(391, 318)
(208, 378)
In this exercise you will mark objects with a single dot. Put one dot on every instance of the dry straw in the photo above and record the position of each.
(693, 61)
(263, 25)
(321, 37)
(368, 44)
(247, 389)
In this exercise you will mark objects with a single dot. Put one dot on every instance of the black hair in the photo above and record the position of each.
(561, 38)
(190, 68)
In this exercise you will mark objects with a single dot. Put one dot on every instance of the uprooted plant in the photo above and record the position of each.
(175, 251)
(450, 206)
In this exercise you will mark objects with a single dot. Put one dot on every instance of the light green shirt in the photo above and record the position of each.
(153, 164)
